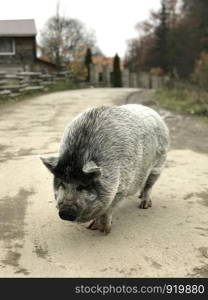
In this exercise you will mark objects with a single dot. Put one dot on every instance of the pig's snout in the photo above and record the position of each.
(68, 213)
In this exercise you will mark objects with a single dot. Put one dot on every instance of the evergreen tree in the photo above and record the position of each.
(196, 13)
(160, 50)
(88, 61)
(116, 72)
(192, 35)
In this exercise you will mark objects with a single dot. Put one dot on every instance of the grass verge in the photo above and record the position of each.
(183, 101)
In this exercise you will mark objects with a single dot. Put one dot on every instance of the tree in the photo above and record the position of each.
(172, 7)
(195, 15)
(88, 61)
(139, 53)
(189, 38)
(200, 74)
(77, 66)
(116, 72)
(160, 50)
(157, 46)
(63, 37)
(131, 57)
(172, 39)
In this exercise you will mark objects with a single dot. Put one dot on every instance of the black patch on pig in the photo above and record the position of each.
(82, 147)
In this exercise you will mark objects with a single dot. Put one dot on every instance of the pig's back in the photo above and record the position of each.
(149, 122)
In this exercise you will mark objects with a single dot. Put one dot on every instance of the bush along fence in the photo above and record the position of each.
(14, 85)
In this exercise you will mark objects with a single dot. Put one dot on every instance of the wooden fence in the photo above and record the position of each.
(13, 85)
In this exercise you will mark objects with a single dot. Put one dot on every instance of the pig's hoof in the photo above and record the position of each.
(105, 228)
(93, 225)
(145, 204)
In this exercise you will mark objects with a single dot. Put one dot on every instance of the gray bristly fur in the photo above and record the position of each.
(106, 154)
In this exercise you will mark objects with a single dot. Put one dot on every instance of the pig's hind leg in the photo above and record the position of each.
(146, 201)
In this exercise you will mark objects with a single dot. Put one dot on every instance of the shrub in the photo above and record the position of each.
(200, 74)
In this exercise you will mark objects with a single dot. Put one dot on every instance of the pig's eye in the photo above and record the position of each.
(81, 187)
(62, 185)
(59, 183)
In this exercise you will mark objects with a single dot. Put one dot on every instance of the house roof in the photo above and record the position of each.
(17, 28)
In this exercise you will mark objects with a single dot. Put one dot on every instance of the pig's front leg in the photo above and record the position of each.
(103, 222)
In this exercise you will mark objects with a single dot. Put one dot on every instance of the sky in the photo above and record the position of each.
(113, 21)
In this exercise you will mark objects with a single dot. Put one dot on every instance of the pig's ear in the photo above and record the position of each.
(50, 162)
(91, 168)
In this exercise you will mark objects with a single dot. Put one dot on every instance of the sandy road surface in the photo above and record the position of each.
(168, 240)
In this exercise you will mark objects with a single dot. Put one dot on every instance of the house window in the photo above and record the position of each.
(7, 46)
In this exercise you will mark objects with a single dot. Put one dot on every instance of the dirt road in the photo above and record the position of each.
(168, 240)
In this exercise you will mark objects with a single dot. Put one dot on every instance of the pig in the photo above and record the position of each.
(106, 154)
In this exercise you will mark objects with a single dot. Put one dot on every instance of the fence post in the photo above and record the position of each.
(106, 75)
(125, 78)
(133, 80)
(93, 74)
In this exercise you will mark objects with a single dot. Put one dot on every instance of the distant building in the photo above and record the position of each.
(18, 49)
(100, 61)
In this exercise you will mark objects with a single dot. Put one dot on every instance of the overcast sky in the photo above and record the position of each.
(113, 21)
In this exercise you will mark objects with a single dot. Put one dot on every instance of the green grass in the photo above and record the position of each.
(183, 101)
(59, 86)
